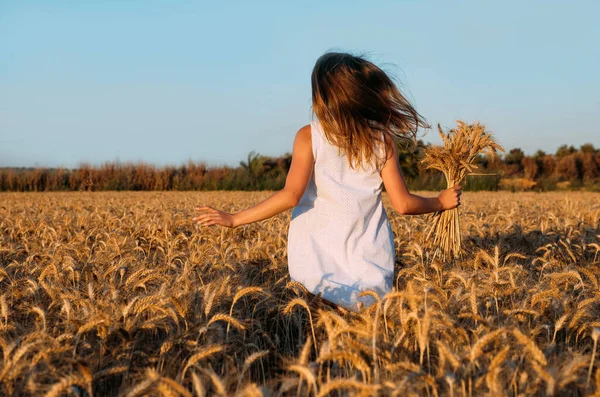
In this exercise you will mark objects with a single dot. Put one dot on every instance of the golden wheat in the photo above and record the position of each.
(455, 159)
(116, 294)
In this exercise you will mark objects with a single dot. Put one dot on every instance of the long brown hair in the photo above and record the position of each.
(355, 102)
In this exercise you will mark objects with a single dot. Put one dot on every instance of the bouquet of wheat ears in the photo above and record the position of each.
(455, 159)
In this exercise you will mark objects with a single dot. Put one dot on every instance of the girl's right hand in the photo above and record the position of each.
(211, 216)
(450, 198)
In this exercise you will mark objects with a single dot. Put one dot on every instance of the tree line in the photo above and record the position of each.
(567, 168)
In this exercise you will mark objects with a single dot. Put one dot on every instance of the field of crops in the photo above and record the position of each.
(121, 294)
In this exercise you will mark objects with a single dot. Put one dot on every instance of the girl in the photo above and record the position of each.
(340, 241)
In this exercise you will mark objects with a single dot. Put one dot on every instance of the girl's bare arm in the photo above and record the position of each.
(407, 203)
(295, 185)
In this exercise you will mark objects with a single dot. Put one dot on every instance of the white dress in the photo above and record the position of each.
(340, 241)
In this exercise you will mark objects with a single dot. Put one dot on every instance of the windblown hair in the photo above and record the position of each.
(360, 108)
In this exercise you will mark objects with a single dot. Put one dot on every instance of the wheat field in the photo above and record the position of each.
(121, 294)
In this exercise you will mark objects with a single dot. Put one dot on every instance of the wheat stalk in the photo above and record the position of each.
(301, 302)
(455, 159)
(595, 335)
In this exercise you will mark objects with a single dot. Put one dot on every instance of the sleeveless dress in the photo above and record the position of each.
(340, 241)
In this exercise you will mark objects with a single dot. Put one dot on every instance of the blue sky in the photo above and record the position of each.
(170, 81)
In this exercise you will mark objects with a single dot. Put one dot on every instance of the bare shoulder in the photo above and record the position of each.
(303, 142)
(304, 133)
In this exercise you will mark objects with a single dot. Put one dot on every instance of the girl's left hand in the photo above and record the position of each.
(210, 216)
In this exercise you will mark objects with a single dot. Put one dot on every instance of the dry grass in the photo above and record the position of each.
(120, 294)
(517, 184)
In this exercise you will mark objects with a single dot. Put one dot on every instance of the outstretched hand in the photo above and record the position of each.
(450, 198)
(211, 216)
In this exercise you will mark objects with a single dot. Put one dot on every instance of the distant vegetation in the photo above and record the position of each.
(569, 168)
